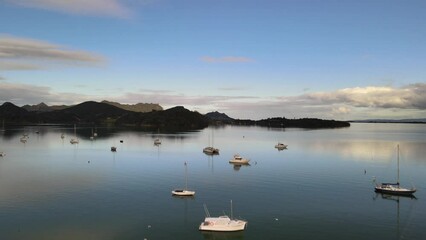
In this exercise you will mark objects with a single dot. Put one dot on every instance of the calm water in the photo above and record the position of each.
(319, 188)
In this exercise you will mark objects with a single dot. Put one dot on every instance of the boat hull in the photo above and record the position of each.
(395, 190)
(222, 224)
(179, 192)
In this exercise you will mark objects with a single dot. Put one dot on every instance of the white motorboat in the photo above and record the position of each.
(239, 160)
(222, 223)
(394, 188)
(281, 146)
(184, 192)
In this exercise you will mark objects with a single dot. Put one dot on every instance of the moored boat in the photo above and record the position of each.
(222, 223)
(394, 188)
(239, 160)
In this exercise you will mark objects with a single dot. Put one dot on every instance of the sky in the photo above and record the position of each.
(250, 59)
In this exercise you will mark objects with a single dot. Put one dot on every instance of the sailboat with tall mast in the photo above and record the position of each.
(184, 192)
(394, 188)
(75, 139)
(210, 150)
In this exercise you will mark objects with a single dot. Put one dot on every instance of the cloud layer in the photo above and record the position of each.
(25, 54)
(114, 8)
(344, 104)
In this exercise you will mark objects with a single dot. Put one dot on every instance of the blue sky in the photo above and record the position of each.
(250, 59)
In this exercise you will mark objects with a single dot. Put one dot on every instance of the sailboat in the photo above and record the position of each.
(185, 191)
(222, 223)
(157, 141)
(394, 188)
(211, 150)
(75, 139)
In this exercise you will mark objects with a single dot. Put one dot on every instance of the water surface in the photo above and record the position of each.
(321, 187)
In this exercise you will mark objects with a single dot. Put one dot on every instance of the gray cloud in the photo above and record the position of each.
(23, 48)
(17, 54)
(113, 8)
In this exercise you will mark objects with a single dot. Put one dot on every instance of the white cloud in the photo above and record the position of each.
(114, 8)
(227, 59)
(407, 97)
(29, 54)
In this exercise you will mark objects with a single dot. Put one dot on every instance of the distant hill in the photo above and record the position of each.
(177, 118)
(173, 118)
(218, 117)
(41, 107)
(139, 107)
(12, 113)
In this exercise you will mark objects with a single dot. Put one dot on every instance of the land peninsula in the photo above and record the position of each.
(142, 115)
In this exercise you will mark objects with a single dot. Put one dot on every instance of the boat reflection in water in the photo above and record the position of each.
(397, 199)
(223, 235)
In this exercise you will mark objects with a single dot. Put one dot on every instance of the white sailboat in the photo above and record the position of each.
(157, 141)
(222, 223)
(184, 191)
(75, 139)
(394, 188)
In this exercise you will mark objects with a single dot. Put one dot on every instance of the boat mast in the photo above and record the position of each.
(232, 214)
(398, 166)
(186, 177)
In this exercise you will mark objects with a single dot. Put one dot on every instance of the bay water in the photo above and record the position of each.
(321, 187)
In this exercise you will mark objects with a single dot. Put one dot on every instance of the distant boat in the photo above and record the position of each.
(62, 136)
(95, 134)
(211, 150)
(157, 141)
(394, 188)
(185, 191)
(2, 128)
(24, 138)
(281, 146)
(113, 149)
(2, 154)
(239, 160)
(222, 223)
(75, 139)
